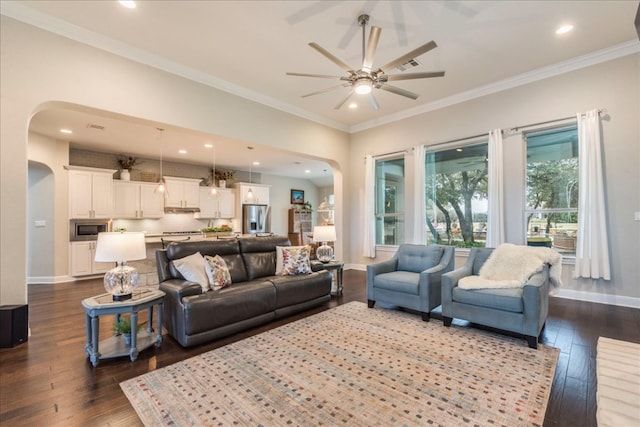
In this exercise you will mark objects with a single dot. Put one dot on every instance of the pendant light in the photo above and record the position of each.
(214, 190)
(161, 188)
(250, 192)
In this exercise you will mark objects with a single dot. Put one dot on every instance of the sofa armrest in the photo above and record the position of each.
(448, 282)
(180, 288)
(317, 266)
(378, 268)
(535, 295)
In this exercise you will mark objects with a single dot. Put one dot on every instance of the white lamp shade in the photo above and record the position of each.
(120, 247)
(324, 233)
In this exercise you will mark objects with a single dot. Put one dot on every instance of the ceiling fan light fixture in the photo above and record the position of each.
(363, 87)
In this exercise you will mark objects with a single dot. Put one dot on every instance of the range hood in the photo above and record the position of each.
(181, 210)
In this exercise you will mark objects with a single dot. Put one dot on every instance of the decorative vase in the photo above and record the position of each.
(125, 175)
(222, 183)
(127, 338)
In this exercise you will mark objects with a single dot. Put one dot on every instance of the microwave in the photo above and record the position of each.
(85, 230)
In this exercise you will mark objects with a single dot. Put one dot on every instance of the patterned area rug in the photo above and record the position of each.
(353, 366)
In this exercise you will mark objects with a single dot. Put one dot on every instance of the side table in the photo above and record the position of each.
(338, 266)
(94, 307)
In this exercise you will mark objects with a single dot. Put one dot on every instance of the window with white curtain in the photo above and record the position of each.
(389, 201)
(456, 195)
(551, 212)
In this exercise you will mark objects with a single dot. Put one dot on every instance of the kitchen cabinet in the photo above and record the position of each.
(90, 193)
(219, 205)
(136, 200)
(82, 260)
(182, 192)
(260, 193)
(300, 226)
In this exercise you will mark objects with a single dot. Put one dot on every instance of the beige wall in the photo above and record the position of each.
(614, 86)
(40, 69)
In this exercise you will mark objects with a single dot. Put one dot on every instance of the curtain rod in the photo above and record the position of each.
(388, 154)
(452, 141)
(517, 128)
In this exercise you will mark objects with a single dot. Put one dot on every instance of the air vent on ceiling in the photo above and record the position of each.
(412, 63)
(94, 126)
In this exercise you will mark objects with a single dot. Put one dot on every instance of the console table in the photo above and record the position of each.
(115, 346)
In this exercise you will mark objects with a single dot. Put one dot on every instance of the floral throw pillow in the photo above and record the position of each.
(295, 260)
(217, 272)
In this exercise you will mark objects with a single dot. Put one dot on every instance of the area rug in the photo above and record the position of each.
(353, 366)
(618, 383)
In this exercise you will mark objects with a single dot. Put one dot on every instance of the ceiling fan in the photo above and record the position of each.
(365, 79)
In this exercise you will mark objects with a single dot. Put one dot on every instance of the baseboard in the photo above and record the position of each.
(45, 280)
(609, 299)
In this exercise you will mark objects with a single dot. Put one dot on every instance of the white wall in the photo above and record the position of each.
(614, 86)
(41, 70)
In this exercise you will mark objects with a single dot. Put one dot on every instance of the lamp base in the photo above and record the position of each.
(121, 297)
(324, 253)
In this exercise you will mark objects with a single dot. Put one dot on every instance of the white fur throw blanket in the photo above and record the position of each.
(511, 266)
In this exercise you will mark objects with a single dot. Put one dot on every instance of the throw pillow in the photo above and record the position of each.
(192, 268)
(279, 258)
(218, 272)
(295, 260)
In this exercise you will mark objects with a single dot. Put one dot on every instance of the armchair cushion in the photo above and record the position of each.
(499, 299)
(399, 281)
(417, 261)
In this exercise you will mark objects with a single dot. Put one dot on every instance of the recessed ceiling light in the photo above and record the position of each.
(564, 29)
(182, 151)
(256, 163)
(353, 105)
(307, 171)
(208, 145)
(129, 4)
(66, 131)
(458, 149)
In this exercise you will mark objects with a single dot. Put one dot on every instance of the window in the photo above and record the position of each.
(456, 195)
(552, 189)
(389, 202)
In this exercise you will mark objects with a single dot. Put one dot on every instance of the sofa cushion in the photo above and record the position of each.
(193, 269)
(217, 272)
(417, 258)
(259, 255)
(295, 260)
(229, 250)
(291, 290)
(226, 306)
(398, 281)
(499, 299)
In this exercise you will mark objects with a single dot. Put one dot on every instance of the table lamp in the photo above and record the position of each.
(120, 247)
(324, 234)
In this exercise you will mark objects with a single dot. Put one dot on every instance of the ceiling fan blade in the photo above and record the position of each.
(322, 76)
(372, 45)
(326, 90)
(373, 102)
(337, 107)
(399, 91)
(412, 76)
(411, 55)
(332, 58)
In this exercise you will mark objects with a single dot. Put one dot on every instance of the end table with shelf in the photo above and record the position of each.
(115, 346)
(336, 268)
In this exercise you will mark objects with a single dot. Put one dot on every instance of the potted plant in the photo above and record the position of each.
(223, 177)
(126, 165)
(223, 230)
(123, 327)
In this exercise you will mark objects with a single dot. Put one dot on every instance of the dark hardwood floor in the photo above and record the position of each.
(49, 381)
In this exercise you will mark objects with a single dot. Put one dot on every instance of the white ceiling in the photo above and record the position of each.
(246, 47)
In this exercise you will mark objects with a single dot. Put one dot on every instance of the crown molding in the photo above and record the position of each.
(587, 60)
(63, 28)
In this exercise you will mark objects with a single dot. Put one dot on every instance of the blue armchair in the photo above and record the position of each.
(521, 310)
(411, 279)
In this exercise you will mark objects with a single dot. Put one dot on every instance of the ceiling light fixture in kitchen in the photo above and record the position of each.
(250, 191)
(214, 189)
(161, 188)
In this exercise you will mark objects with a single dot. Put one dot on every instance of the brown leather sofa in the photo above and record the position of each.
(256, 296)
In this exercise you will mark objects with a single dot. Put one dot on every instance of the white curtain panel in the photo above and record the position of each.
(369, 242)
(592, 247)
(420, 206)
(495, 214)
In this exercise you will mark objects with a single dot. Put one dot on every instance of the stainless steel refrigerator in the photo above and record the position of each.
(256, 219)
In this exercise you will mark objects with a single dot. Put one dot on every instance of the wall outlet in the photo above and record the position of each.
(40, 223)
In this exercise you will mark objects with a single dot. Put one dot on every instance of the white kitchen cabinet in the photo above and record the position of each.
(90, 193)
(82, 263)
(182, 192)
(219, 205)
(260, 193)
(136, 200)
